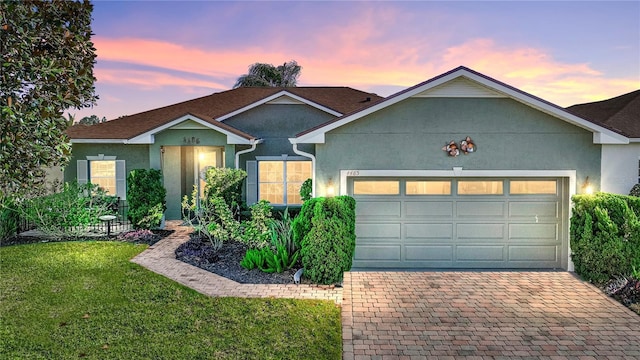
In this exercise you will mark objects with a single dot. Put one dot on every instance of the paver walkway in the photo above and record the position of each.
(483, 315)
(445, 315)
(161, 258)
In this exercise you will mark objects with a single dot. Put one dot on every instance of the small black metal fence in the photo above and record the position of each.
(100, 227)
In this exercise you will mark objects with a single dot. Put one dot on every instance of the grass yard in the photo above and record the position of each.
(86, 300)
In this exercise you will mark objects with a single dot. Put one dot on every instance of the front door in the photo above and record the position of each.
(183, 168)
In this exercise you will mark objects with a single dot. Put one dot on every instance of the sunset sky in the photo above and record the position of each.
(156, 53)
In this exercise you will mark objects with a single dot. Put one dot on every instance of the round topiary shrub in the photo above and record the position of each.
(328, 247)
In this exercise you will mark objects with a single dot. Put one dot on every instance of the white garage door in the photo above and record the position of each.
(459, 223)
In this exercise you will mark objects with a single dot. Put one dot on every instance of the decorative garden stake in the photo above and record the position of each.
(452, 149)
(467, 146)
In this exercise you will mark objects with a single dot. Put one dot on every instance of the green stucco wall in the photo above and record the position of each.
(275, 124)
(410, 136)
(136, 156)
(190, 137)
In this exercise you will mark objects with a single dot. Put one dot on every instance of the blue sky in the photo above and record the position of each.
(155, 53)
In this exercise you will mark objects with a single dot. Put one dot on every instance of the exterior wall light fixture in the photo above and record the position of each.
(331, 189)
(587, 188)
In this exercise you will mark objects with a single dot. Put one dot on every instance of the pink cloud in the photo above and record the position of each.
(172, 56)
(358, 55)
(147, 79)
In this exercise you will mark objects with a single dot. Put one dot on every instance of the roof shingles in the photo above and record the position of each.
(620, 114)
(211, 107)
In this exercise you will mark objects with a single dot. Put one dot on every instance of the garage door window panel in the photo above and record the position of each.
(480, 187)
(533, 187)
(428, 187)
(376, 187)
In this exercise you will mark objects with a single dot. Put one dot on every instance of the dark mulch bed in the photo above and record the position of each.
(226, 262)
(625, 291)
(130, 236)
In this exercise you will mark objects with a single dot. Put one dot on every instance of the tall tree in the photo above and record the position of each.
(47, 68)
(267, 75)
(92, 120)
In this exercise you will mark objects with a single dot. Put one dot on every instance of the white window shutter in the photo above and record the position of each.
(82, 171)
(121, 179)
(252, 182)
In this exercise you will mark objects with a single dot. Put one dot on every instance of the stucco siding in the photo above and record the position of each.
(620, 167)
(275, 124)
(190, 137)
(410, 136)
(136, 156)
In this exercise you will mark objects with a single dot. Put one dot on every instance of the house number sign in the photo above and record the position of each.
(353, 173)
(191, 140)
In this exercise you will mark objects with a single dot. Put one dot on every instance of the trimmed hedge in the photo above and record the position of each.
(325, 229)
(146, 198)
(605, 236)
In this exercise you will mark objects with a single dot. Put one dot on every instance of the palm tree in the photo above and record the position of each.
(267, 75)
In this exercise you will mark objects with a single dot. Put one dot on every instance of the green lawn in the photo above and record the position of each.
(86, 300)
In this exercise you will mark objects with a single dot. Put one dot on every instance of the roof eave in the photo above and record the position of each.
(98, 141)
(601, 135)
(232, 138)
(275, 96)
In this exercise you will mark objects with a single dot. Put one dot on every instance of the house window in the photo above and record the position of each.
(103, 174)
(106, 172)
(279, 181)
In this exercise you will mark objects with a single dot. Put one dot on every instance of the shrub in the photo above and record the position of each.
(146, 198)
(208, 218)
(328, 247)
(635, 190)
(69, 212)
(302, 224)
(253, 258)
(268, 260)
(605, 236)
(282, 233)
(226, 183)
(9, 218)
(306, 189)
(256, 232)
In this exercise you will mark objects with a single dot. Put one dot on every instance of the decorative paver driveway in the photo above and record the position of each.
(483, 315)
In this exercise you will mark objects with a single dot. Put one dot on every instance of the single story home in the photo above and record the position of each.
(459, 171)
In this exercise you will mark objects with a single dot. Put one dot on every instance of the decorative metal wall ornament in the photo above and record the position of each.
(452, 149)
(466, 146)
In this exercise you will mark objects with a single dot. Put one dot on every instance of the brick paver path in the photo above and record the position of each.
(483, 315)
(161, 259)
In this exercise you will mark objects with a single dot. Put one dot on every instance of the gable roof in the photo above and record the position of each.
(473, 84)
(621, 113)
(210, 110)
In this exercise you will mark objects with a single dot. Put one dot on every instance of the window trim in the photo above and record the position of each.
(83, 172)
(284, 158)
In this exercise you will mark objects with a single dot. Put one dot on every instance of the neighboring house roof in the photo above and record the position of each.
(464, 82)
(621, 113)
(209, 110)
